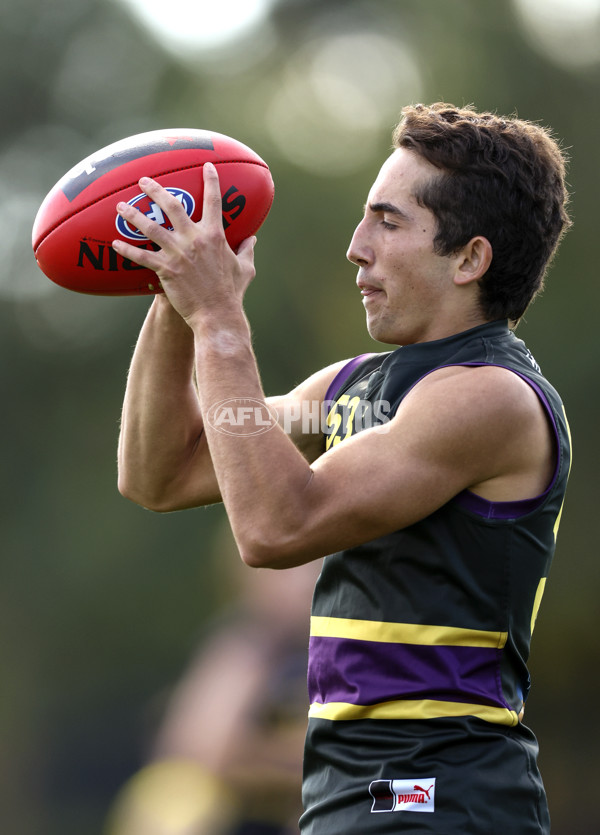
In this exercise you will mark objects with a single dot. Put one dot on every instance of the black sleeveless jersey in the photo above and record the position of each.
(434, 620)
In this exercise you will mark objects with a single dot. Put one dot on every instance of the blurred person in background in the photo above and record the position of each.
(227, 757)
(434, 490)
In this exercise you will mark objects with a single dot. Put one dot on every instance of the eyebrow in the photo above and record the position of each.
(388, 208)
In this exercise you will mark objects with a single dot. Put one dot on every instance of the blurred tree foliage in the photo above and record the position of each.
(101, 602)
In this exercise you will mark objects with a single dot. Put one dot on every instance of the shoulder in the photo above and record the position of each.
(317, 385)
(490, 416)
(320, 384)
(300, 410)
(480, 390)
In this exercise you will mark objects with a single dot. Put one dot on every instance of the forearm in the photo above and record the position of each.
(257, 472)
(205, 281)
(161, 446)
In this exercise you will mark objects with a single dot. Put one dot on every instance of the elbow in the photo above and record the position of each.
(279, 538)
(257, 556)
(274, 550)
(129, 492)
(144, 498)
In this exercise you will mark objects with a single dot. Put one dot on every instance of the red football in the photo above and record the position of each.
(78, 220)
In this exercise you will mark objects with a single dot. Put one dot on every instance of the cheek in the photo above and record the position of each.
(406, 268)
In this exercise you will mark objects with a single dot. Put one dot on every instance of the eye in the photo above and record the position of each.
(387, 225)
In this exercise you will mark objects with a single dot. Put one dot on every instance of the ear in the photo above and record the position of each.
(473, 260)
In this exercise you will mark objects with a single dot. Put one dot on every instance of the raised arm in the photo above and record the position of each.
(163, 457)
(164, 460)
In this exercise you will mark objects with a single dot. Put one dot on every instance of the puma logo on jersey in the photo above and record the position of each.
(403, 795)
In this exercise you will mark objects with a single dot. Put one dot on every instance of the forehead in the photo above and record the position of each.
(400, 176)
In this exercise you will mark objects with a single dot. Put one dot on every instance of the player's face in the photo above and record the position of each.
(408, 290)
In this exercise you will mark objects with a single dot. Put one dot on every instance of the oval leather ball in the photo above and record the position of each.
(78, 220)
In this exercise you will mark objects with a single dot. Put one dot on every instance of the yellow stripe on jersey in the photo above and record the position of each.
(537, 602)
(558, 518)
(404, 633)
(412, 709)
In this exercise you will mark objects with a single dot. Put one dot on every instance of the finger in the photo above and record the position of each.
(148, 227)
(170, 205)
(211, 206)
(143, 257)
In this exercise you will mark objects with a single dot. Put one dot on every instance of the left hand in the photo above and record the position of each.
(197, 268)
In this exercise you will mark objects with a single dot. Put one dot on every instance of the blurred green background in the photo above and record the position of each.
(102, 602)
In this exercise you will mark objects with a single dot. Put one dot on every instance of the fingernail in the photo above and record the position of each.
(145, 181)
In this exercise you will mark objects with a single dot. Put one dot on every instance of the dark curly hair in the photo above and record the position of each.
(503, 178)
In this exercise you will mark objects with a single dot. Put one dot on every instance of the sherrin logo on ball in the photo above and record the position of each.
(75, 225)
(154, 212)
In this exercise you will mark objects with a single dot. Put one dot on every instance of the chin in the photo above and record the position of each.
(382, 334)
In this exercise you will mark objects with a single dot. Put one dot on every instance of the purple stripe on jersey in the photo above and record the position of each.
(370, 672)
(498, 510)
(343, 374)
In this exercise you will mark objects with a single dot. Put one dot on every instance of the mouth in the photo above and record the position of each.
(369, 292)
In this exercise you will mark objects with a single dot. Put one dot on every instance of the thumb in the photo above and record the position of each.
(246, 248)
(245, 256)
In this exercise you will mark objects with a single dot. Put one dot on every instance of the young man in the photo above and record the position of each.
(436, 489)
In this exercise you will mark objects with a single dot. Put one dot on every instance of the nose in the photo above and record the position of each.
(359, 252)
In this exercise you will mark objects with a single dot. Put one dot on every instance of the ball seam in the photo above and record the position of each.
(134, 182)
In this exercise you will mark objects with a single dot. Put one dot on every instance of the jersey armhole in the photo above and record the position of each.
(343, 374)
(513, 509)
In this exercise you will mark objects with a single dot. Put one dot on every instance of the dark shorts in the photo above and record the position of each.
(441, 776)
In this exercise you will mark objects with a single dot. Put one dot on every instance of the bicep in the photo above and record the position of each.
(450, 433)
(384, 479)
